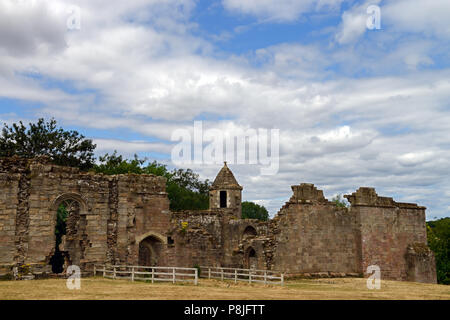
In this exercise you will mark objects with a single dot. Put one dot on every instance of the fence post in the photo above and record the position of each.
(235, 275)
(282, 279)
(104, 271)
(196, 277)
(153, 275)
(209, 273)
(95, 271)
(114, 274)
(173, 275)
(132, 273)
(221, 274)
(249, 276)
(265, 277)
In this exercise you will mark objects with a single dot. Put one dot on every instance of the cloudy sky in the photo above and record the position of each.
(355, 107)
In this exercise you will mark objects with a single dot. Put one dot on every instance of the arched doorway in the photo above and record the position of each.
(251, 259)
(150, 251)
(67, 247)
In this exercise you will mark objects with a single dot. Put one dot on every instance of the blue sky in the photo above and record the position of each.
(355, 107)
(243, 33)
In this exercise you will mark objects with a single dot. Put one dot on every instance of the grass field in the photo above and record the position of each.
(99, 288)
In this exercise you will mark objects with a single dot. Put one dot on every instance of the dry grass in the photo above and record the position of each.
(99, 288)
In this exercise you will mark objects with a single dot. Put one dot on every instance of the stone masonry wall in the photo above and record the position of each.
(387, 228)
(312, 235)
(111, 213)
(116, 215)
(197, 238)
(9, 200)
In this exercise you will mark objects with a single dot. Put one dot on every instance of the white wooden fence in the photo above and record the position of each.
(248, 275)
(153, 274)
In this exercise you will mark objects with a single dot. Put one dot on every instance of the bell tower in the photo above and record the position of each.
(225, 192)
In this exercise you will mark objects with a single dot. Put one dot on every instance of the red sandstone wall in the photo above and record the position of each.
(385, 236)
(315, 238)
(387, 228)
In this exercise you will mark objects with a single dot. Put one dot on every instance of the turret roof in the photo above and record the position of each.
(225, 179)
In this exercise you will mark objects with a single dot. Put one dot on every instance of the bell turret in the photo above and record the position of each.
(225, 192)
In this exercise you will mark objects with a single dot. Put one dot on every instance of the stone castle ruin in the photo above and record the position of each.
(125, 219)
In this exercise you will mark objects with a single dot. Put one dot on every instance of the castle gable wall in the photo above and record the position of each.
(313, 235)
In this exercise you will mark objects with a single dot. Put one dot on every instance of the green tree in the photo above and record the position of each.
(339, 201)
(186, 191)
(252, 210)
(60, 227)
(116, 164)
(57, 260)
(190, 180)
(184, 188)
(438, 236)
(67, 148)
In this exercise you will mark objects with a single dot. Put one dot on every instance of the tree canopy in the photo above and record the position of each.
(70, 148)
(252, 210)
(438, 234)
(185, 190)
(67, 148)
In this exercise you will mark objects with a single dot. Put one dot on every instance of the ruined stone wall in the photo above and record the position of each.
(214, 238)
(312, 235)
(211, 238)
(14, 211)
(421, 264)
(152, 220)
(125, 219)
(387, 228)
(50, 186)
(142, 205)
(111, 213)
(197, 238)
(9, 201)
(242, 235)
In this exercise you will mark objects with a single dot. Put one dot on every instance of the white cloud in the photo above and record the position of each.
(353, 26)
(422, 16)
(413, 159)
(29, 28)
(137, 67)
(129, 148)
(354, 23)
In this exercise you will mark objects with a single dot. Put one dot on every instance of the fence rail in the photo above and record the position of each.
(248, 275)
(176, 274)
(153, 274)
